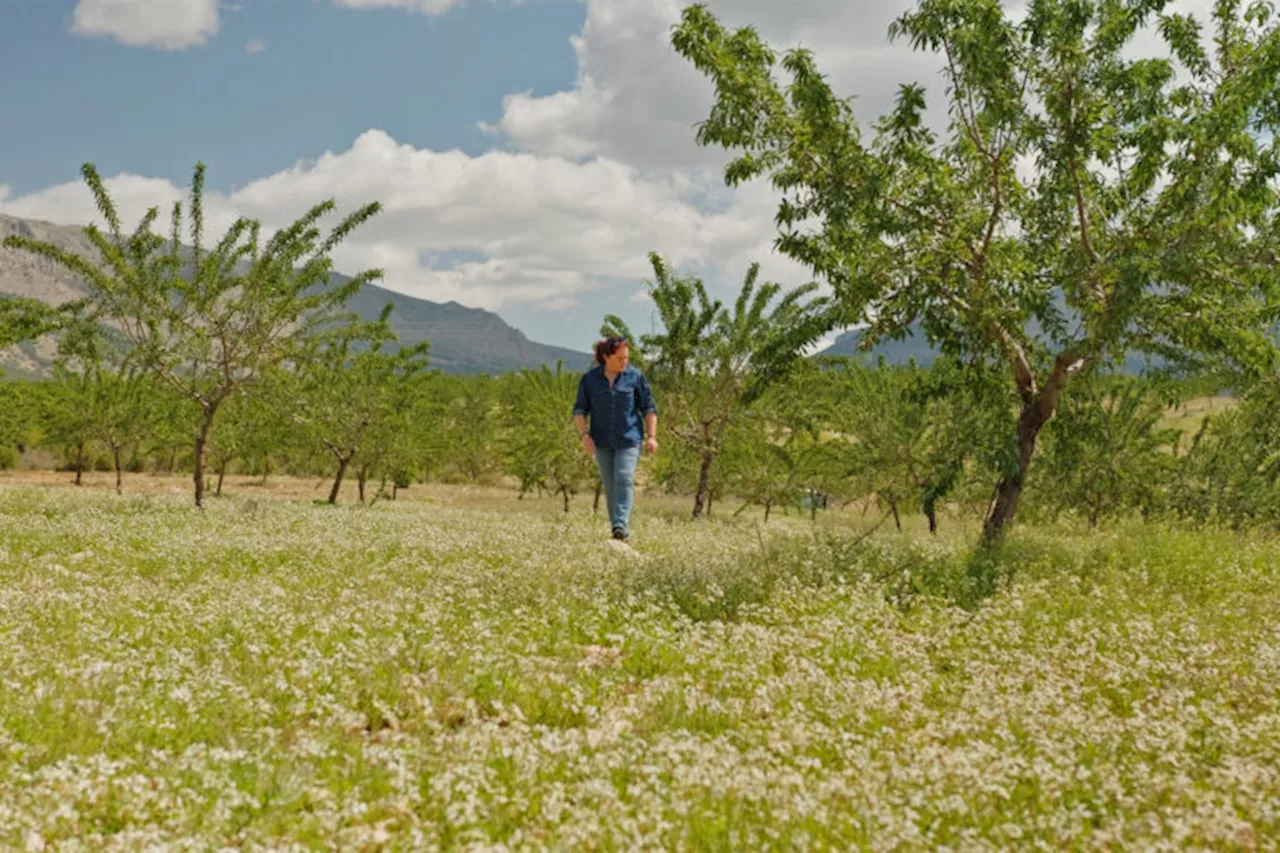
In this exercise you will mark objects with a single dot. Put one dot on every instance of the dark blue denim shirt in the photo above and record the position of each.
(616, 414)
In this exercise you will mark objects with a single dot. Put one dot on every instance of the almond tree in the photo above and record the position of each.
(1083, 202)
(208, 321)
(117, 402)
(541, 447)
(353, 388)
(710, 362)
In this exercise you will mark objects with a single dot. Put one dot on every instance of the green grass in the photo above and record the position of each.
(415, 675)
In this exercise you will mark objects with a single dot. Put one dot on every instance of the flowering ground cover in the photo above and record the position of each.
(278, 675)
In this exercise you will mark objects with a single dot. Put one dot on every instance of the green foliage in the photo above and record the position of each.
(462, 445)
(913, 437)
(1105, 453)
(1231, 471)
(710, 362)
(208, 321)
(539, 443)
(356, 396)
(1079, 190)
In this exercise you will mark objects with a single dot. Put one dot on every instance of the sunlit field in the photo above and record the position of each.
(459, 669)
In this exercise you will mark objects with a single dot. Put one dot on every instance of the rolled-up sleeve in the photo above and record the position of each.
(582, 406)
(644, 398)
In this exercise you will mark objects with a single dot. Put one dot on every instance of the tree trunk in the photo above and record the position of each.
(173, 459)
(395, 489)
(337, 481)
(79, 463)
(768, 505)
(115, 456)
(1009, 489)
(565, 492)
(222, 473)
(893, 508)
(931, 513)
(1037, 408)
(202, 438)
(702, 497)
(266, 470)
(595, 502)
(362, 477)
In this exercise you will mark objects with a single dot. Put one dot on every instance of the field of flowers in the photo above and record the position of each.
(278, 675)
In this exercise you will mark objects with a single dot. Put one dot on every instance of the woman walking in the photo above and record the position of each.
(617, 400)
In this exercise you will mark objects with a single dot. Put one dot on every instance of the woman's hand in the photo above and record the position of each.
(651, 445)
(588, 445)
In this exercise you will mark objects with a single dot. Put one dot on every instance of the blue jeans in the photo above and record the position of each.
(618, 474)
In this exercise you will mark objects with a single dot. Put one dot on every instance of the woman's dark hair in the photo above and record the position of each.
(608, 347)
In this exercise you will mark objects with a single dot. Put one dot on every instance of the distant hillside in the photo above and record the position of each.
(463, 340)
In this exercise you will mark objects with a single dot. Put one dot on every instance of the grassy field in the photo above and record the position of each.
(461, 670)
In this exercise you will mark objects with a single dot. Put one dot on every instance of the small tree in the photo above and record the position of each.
(542, 449)
(208, 322)
(353, 387)
(1231, 471)
(469, 413)
(1082, 203)
(711, 363)
(255, 423)
(109, 399)
(70, 420)
(914, 435)
(1106, 452)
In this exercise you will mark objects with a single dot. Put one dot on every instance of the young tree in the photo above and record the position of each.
(110, 399)
(70, 420)
(542, 448)
(255, 423)
(210, 321)
(1231, 471)
(711, 363)
(353, 388)
(1110, 202)
(462, 447)
(914, 433)
(1106, 452)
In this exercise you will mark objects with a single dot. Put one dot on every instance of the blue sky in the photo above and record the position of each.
(529, 154)
(326, 74)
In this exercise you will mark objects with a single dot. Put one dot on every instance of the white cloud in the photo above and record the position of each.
(255, 45)
(533, 229)
(636, 100)
(165, 24)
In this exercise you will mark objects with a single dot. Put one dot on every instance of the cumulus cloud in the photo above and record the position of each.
(164, 24)
(533, 229)
(639, 102)
(255, 45)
